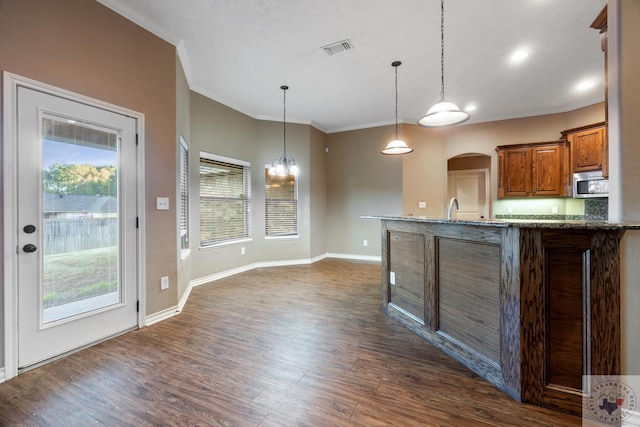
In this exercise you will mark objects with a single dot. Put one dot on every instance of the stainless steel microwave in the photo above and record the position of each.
(590, 184)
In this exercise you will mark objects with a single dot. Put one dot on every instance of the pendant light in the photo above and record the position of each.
(443, 113)
(284, 166)
(397, 146)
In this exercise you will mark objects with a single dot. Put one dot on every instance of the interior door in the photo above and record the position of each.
(470, 188)
(76, 211)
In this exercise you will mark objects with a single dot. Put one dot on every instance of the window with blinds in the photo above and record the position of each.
(225, 199)
(183, 188)
(281, 205)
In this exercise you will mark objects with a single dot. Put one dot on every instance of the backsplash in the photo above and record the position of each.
(595, 209)
(544, 217)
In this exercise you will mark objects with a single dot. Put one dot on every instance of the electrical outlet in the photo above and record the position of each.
(422, 205)
(164, 283)
(242, 251)
(554, 210)
(365, 243)
(509, 210)
(392, 277)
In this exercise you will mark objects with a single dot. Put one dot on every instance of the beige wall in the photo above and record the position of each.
(183, 127)
(216, 129)
(624, 153)
(318, 190)
(219, 130)
(83, 47)
(270, 147)
(469, 162)
(360, 181)
(425, 170)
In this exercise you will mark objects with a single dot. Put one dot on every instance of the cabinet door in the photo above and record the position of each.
(517, 172)
(587, 149)
(547, 171)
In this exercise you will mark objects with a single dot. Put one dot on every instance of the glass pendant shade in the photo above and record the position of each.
(397, 146)
(443, 113)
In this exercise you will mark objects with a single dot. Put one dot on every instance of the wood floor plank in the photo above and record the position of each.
(285, 346)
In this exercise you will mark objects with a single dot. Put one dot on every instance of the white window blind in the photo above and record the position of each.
(225, 199)
(184, 194)
(281, 205)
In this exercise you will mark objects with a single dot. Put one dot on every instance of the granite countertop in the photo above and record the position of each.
(521, 223)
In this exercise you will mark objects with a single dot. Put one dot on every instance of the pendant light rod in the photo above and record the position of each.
(396, 64)
(284, 166)
(284, 116)
(442, 50)
(443, 113)
(397, 146)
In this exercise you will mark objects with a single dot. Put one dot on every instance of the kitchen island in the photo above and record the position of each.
(530, 306)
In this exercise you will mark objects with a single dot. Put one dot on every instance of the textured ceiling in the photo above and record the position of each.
(239, 52)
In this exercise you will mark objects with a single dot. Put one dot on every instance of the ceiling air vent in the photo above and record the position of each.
(332, 48)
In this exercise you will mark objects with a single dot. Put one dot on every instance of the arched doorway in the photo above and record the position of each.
(469, 181)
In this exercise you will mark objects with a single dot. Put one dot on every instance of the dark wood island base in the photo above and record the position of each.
(529, 306)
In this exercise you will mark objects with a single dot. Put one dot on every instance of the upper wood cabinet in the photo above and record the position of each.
(589, 148)
(533, 170)
(514, 172)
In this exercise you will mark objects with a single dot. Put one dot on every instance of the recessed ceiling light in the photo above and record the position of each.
(585, 85)
(519, 55)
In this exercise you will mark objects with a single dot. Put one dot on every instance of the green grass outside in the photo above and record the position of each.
(76, 276)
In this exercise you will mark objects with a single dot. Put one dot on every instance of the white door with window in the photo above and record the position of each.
(76, 217)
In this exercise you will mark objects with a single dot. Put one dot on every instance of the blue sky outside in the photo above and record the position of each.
(66, 154)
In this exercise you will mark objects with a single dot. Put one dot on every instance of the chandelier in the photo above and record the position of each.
(284, 165)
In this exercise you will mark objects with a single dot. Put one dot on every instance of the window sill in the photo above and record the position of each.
(282, 237)
(223, 244)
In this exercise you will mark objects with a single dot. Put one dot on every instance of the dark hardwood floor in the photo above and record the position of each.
(285, 346)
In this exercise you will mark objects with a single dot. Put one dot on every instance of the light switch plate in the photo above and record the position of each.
(164, 283)
(162, 203)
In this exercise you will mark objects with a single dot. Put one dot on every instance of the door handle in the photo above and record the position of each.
(29, 247)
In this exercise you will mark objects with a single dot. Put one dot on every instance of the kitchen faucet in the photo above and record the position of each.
(451, 203)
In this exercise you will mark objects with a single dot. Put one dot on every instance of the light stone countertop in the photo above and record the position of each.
(520, 223)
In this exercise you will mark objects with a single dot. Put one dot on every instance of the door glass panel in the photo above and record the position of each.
(80, 218)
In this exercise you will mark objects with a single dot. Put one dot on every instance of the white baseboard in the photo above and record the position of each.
(161, 315)
(248, 267)
(172, 311)
(375, 258)
(185, 297)
(2, 376)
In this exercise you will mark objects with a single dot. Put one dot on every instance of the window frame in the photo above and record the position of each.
(246, 199)
(183, 197)
(296, 233)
